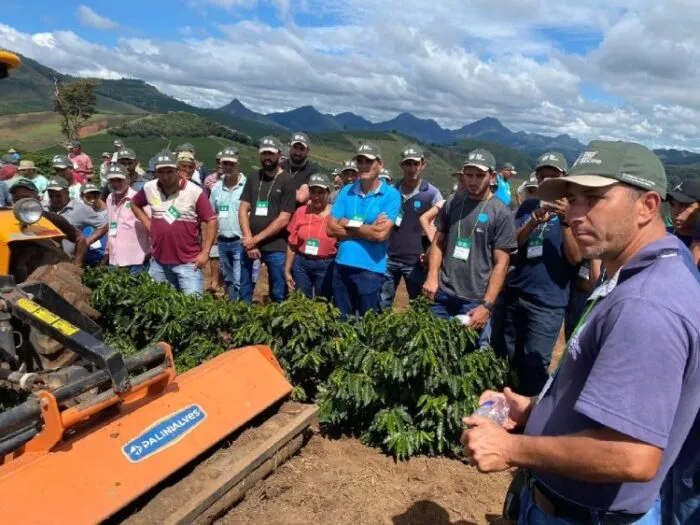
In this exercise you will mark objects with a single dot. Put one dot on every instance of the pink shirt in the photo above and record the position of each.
(128, 242)
(82, 167)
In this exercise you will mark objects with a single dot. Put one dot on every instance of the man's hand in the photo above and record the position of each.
(381, 219)
(559, 208)
(291, 285)
(430, 288)
(201, 260)
(479, 317)
(343, 222)
(249, 243)
(487, 444)
(540, 216)
(253, 254)
(519, 407)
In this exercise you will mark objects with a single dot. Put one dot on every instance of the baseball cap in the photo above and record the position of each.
(12, 150)
(371, 151)
(75, 144)
(116, 171)
(229, 155)
(165, 159)
(185, 156)
(509, 166)
(532, 181)
(687, 192)
(106, 154)
(218, 155)
(349, 165)
(57, 184)
(412, 152)
(385, 174)
(270, 144)
(61, 161)
(185, 147)
(126, 153)
(319, 180)
(89, 187)
(25, 183)
(482, 159)
(605, 163)
(553, 159)
(26, 165)
(118, 143)
(299, 138)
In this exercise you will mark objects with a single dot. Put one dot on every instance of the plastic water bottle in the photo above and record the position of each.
(496, 410)
(465, 319)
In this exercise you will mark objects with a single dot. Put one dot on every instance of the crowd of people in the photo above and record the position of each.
(585, 248)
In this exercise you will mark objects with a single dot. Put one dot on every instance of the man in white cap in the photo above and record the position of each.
(298, 165)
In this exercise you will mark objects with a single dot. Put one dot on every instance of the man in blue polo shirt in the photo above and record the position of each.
(604, 432)
(529, 316)
(225, 198)
(408, 242)
(362, 219)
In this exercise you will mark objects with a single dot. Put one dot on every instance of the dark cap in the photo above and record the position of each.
(687, 192)
(89, 187)
(482, 159)
(115, 171)
(126, 153)
(371, 151)
(57, 184)
(412, 152)
(319, 180)
(553, 159)
(24, 183)
(61, 162)
(299, 138)
(271, 144)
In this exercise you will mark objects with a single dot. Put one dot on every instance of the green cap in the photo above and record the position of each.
(89, 187)
(165, 159)
(61, 162)
(482, 159)
(57, 184)
(606, 163)
(553, 159)
(319, 180)
(115, 171)
(106, 154)
(25, 183)
(509, 167)
(299, 138)
(229, 155)
(349, 165)
(371, 151)
(687, 192)
(126, 153)
(271, 144)
(185, 147)
(412, 152)
(218, 155)
(385, 174)
(118, 144)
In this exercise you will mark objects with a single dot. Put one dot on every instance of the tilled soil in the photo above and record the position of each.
(341, 482)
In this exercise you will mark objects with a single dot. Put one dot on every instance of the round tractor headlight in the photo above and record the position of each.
(28, 211)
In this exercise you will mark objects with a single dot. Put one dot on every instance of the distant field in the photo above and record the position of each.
(35, 131)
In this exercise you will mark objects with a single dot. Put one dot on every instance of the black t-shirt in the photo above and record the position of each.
(300, 175)
(280, 195)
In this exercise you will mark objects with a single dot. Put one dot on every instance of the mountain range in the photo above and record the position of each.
(31, 87)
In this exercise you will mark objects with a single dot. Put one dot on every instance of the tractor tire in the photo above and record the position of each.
(65, 279)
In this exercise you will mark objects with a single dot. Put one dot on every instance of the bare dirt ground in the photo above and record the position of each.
(341, 482)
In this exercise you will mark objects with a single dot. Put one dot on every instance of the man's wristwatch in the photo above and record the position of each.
(488, 305)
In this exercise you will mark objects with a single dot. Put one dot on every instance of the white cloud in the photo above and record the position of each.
(90, 18)
(526, 62)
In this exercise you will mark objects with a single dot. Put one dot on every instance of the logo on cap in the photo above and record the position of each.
(163, 158)
(476, 156)
(679, 187)
(299, 137)
(365, 147)
(549, 157)
(588, 157)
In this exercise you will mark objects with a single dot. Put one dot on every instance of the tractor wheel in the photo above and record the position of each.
(65, 279)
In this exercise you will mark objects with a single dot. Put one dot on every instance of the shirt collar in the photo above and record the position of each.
(356, 188)
(180, 185)
(241, 182)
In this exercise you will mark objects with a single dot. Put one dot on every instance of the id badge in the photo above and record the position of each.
(96, 245)
(356, 221)
(113, 229)
(535, 248)
(223, 212)
(399, 220)
(171, 215)
(462, 249)
(311, 246)
(584, 272)
(261, 208)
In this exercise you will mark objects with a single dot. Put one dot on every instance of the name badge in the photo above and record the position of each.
(584, 272)
(171, 215)
(534, 248)
(399, 220)
(311, 246)
(261, 208)
(96, 245)
(462, 249)
(356, 221)
(113, 229)
(223, 212)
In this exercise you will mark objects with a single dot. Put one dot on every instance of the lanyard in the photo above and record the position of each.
(119, 207)
(320, 229)
(274, 179)
(459, 219)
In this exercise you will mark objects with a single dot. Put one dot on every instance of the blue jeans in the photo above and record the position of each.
(275, 276)
(133, 269)
(355, 290)
(230, 254)
(526, 332)
(313, 277)
(183, 277)
(413, 274)
(531, 514)
(680, 494)
(447, 306)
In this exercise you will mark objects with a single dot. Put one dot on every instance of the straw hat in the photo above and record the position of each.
(26, 165)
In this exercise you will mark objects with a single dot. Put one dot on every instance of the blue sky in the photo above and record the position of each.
(624, 69)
